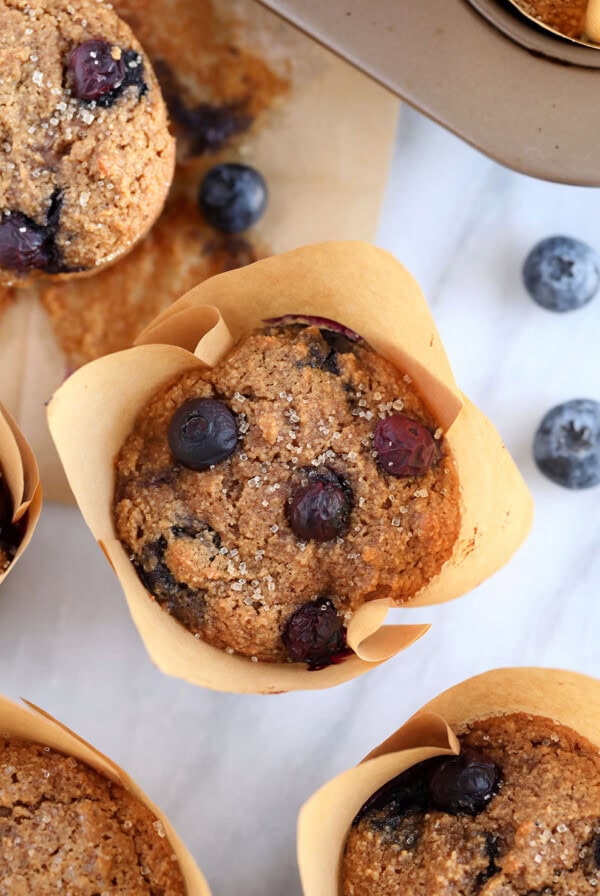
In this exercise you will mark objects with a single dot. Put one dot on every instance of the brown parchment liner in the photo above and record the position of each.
(22, 478)
(367, 290)
(35, 725)
(567, 698)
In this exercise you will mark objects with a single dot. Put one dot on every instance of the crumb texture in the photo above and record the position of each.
(216, 548)
(93, 175)
(539, 836)
(64, 828)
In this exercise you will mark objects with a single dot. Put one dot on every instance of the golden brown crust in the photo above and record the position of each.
(66, 828)
(539, 835)
(216, 547)
(107, 170)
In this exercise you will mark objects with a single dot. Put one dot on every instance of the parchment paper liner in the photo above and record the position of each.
(36, 725)
(22, 478)
(367, 290)
(325, 819)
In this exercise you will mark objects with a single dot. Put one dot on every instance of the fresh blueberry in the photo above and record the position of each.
(566, 446)
(562, 274)
(232, 197)
(320, 509)
(202, 432)
(94, 70)
(24, 245)
(404, 447)
(464, 784)
(315, 634)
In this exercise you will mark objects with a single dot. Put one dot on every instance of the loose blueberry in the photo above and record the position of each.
(315, 634)
(202, 432)
(464, 784)
(562, 274)
(94, 70)
(404, 447)
(566, 447)
(232, 197)
(320, 509)
(24, 245)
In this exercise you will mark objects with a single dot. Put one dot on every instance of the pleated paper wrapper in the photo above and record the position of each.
(20, 470)
(325, 819)
(365, 289)
(36, 726)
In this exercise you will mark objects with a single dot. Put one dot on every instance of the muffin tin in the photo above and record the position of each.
(510, 89)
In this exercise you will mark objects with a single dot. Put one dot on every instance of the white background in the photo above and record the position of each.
(232, 771)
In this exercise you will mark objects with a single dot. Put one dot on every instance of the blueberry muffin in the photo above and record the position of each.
(10, 534)
(565, 16)
(263, 501)
(87, 158)
(517, 813)
(66, 828)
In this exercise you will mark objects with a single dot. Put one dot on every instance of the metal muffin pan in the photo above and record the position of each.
(513, 91)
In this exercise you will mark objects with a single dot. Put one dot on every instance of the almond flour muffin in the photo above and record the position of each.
(86, 155)
(66, 828)
(516, 814)
(263, 501)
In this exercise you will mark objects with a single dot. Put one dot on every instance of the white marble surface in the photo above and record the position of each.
(232, 771)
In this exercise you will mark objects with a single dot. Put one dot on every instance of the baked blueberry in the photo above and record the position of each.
(320, 509)
(464, 784)
(561, 273)
(325, 324)
(566, 447)
(96, 69)
(404, 447)
(315, 634)
(232, 197)
(407, 792)
(202, 433)
(24, 245)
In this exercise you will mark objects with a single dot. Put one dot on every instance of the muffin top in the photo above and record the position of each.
(516, 814)
(66, 828)
(327, 483)
(87, 158)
